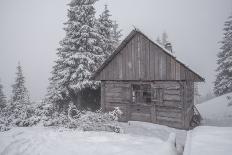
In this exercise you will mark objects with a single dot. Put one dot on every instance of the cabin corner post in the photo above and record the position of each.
(184, 114)
(103, 106)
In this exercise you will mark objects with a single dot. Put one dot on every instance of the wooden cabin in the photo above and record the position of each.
(147, 83)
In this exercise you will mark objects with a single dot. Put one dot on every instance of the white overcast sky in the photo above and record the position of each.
(30, 31)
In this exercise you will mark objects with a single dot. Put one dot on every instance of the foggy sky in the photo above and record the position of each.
(30, 31)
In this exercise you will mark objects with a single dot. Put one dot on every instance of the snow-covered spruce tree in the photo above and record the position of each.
(223, 82)
(19, 109)
(105, 28)
(116, 34)
(164, 38)
(79, 55)
(2, 98)
(20, 92)
(158, 41)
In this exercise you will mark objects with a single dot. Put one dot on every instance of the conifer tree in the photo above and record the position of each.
(79, 55)
(105, 28)
(158, 41)
(164, 38)
(223, 82)
(2, 97)
(18, 111)
(20, 92)
(116, 34)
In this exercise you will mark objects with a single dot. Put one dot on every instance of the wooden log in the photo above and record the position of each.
(140, 117)
(168, 119)
(171, 123)
(168, 97)
(168, 109)
(174, 104)
(170, 114)
(140, 109)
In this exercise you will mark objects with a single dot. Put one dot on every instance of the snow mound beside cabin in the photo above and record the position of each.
(50, 141)
(217, 111)
(208, 140)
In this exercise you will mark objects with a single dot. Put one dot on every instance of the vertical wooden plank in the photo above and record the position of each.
(174, 69)
(123, 63)
(136, 57)
(103, 96)
(142, 57)
(120, 68)
(187, 75)
(147, 60)
(177, 71)
(168, 67)
(157, 63)
(115, 68)
(162, 65)
(111, 70)
(153, 114)
(133, 57)
(182, 72)
(152, 62)
(139, 57)
(130, 69)
(103, 74)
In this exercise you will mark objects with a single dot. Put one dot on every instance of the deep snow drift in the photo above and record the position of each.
(212, 140)
(206, 140)
(218, 111)
(138, 139)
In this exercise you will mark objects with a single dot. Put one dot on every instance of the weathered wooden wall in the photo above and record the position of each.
(116, 94)
(189, 103)
(141, 59)
(170, 111)
(174, 110)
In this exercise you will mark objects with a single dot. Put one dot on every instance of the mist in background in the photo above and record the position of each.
(30, 31)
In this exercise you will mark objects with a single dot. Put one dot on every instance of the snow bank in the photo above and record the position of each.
(218, 111)
(153, 130)
(49, 141)
(205, 140)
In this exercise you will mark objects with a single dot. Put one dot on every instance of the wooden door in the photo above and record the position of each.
(157, 99)
(140, 107)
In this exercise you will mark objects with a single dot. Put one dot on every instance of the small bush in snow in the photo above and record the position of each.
(94, 121)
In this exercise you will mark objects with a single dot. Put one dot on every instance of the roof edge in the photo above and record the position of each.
(124, 43)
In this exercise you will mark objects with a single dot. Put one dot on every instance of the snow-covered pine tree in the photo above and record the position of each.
(158, 41)
(116, 34)
(164, 38)
(79, 55)
(223, 82)
(105, 28)
(2, 97)
(18, 111)
(20, 93)
(164, 42)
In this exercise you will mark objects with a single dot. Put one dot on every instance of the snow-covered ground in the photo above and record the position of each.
(216, 137)
(209, 140)
(138, 139)
(154, 130)
(218, 111)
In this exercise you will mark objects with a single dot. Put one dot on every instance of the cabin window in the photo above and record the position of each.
(141, 93)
